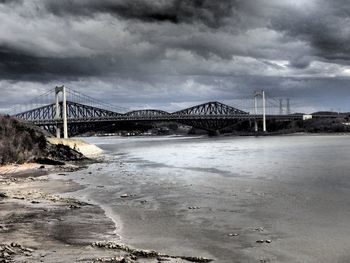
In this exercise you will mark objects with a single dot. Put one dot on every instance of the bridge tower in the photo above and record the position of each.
(255, 113)
(59, 112)
(262, 95)
(281, 106)
(288, 107)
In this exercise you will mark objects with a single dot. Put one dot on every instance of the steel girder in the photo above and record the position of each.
(209, 124)
(47, 112)
(77, 110)
(211, 108)
(74, 111)
(146, 113)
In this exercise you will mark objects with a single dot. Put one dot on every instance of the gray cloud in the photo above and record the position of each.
(171, 52)
(175, 11)
(324, 26)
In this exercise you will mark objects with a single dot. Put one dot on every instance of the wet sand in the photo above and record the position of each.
(285, 200)
(175, 197)
(39, 223)
(186, 218)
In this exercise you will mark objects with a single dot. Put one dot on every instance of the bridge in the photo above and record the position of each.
(72, 113)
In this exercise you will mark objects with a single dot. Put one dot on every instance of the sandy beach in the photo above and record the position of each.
(38, 224)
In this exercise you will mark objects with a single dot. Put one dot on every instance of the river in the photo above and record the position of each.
(186, 195)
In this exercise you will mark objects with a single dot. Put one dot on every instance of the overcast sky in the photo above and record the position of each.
(173, 53)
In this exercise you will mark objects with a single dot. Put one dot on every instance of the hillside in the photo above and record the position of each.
(21, 142)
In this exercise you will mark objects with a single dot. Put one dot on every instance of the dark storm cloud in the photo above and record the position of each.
(325, 27)
(230, 18)
(17, 64)
(10, 1)
(209, 12)
(175, 50)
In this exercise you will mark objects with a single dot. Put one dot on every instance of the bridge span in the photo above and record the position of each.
(72, 117)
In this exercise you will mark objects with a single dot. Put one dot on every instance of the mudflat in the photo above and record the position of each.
(278, 199)
(227, 198)
(39, 223)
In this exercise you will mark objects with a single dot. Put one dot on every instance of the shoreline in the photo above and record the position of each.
(227, 135)
(51, 214)
(40, 223)
(34, 215)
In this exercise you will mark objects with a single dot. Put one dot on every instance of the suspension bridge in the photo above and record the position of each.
(71, 113)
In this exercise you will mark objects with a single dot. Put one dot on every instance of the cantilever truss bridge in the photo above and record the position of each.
(83, 113)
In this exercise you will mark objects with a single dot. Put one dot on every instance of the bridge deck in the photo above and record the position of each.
(170, 117)
(208, 116)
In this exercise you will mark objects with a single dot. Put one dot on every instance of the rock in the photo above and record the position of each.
(111, 245)
(13, 244)
(116, 260)
(27, 254)
(233, 235)
(134, 254)
(126, 260)
(143, 201)
(74, 207)
(160, 259)
(27, 249)
(35, 202)
(9, 250)
(124, 195)
(196, 259)
(260, 241)
(144, 253)
(3, 228)
(3, 195)
(260, 229)
(268, 241)
(48, 161)
(133, 257)
(42, 167)
(81, 203)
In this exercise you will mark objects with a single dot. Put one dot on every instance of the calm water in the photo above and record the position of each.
(297, 188)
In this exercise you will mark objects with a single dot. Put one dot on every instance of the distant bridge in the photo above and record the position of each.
(73, 117)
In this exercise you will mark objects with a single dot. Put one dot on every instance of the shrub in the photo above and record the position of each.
(19, 141)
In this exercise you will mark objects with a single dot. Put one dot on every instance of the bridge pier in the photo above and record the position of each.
(214, 133)
(256, 126)
(61, 114)
(260, 94)
(256, 129)
(264, 111)
(58, 132)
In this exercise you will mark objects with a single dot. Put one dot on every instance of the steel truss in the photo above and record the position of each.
(211, 108)
(211, 116)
